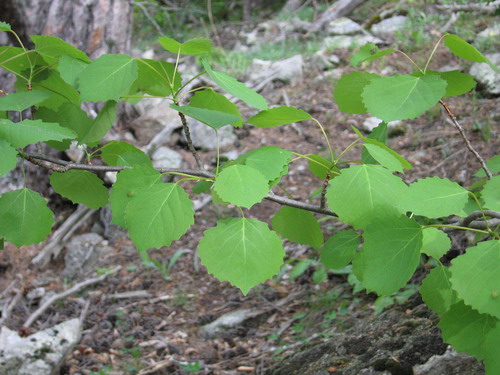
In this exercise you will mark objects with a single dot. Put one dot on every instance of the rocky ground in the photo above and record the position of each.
(180, 320)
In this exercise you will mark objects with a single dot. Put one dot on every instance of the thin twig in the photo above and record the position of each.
(84, 312)
(148, 16)
(478, 214)
(33, 317)
(455, 123)
(326, 181)
(198, 173)
(10, 307)
(189, 141)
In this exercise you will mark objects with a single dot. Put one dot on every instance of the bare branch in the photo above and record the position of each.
(33, 317)
(189, 141)
(455, 123)
(473, 6)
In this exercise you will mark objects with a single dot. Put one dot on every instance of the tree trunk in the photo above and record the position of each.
(94, 26)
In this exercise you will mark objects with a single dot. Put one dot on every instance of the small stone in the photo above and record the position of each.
(165, 157)
(343, 26)
(387, 28)
(486, 76)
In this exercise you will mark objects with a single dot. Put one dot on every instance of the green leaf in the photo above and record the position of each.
(81, 187)
(68, 116)
(402, 97)
(8, 156)
(124, 154)
(209, 99)
(298, 226)
(16, 61)
(340, 248)
(379, 134)
(25, 217)
(4, 26)
(19, 101)
(348, 91)
(435, 197)
(464, 50)
(52, 48)
(21, 134)
(299, 268)
(493, 165)
(214, 119)
(458, 83)
(491, 193)
(128, 182)
(465, 329)
(321, 168)
(278, 116)
(241, 185)
(107, 78)
(156, 78)
(388, 265)
(365, 193)
(384, 157)
(319, 276)
(63, 92)
(491, 344)
(271, 161)
(436, 290)
(158, 215)
(435, 243)
(476, 278)
(191, 47)
(236, 88)
(70, 68)
(404, 163)
(242, 251)
(368, 52)
(100, 126)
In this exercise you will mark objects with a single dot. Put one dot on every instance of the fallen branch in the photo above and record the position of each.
(7, 311)
(33, 317)
(484, 8)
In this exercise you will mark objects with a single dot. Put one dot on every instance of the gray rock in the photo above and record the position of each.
(324, 60)
(490, 32)
(343, 26)
(393, 127)
(40, 354)
(346, 41)
(387, 28)
(204, 136)
(450, 363)
(290, 70)
(165, 157)
(225, 322)
(155, 116)
(83, 253)
(112, 232)
(486, 76)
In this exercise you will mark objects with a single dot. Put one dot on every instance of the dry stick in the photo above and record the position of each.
(189, 141)
(325, 186)
(466, 140)
(10, 307)
(33, 317)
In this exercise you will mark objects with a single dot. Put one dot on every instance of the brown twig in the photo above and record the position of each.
(189, 141)
(33, 317)
(325, 187)
(198, 173)
(466, 140)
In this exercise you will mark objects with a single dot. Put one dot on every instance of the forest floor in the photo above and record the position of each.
(159, 331)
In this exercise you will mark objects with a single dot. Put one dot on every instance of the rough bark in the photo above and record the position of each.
(94, 26)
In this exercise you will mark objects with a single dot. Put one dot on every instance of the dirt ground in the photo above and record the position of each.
(159, 330)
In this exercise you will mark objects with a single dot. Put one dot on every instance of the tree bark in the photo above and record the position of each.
(94, 26)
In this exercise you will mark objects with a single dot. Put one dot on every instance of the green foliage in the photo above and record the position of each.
(385, 214)
(80, 187)
(298, 226)
(242, 251)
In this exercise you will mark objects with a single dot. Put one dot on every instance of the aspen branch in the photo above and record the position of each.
(461, 130)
